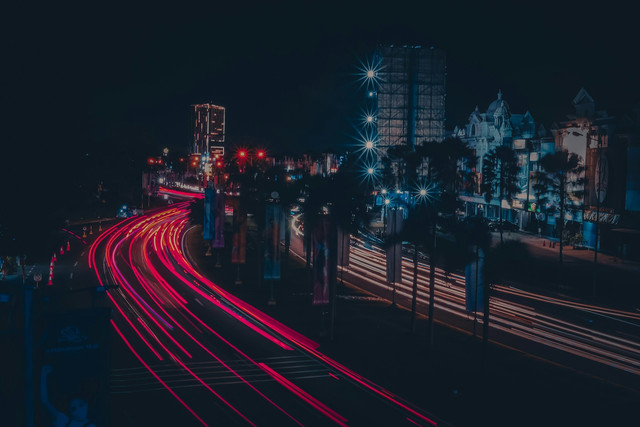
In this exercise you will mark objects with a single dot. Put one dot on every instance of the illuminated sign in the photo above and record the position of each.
(519, 144)
(216, 151)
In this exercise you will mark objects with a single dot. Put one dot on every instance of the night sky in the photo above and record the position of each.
(94, 87)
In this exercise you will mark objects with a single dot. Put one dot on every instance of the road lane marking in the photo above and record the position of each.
(198, 301)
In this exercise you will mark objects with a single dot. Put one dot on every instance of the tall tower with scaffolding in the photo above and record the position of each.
(410, 96)
(404, 109)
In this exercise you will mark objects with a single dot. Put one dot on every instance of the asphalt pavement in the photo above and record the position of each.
(373, 338)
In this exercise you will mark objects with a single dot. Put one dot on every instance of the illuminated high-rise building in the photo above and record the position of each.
(208, 128)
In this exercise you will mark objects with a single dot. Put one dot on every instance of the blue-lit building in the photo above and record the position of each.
(609, 147)
(492, 128)
(404, 104)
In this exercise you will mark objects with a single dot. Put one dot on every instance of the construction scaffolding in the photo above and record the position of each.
(410, 96)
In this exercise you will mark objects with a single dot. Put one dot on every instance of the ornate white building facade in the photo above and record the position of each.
(495, 127)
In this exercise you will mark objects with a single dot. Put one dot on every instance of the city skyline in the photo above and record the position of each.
(300, 213)
(293, 60)
(116, 86)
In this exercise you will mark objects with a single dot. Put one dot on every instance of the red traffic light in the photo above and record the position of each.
(260, 154)
(151, 161)
(242, 153)
(219, 164)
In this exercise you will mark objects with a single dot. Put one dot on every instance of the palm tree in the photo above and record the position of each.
(562, 177)
(500, 176)
(417, 231)
(449, 161)
(443, 170)
(340, 196)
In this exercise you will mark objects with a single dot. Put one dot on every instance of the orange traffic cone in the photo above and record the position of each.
(54, 258)
(50, 277)
(100, 226)
(61, 250)
(68, 246)
(91, 229)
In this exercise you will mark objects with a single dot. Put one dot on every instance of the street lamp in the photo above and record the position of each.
(369, 71)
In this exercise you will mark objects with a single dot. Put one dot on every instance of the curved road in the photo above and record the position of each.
(189, 334)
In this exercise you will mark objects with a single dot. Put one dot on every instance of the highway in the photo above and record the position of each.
(222, 360)
(549, 326)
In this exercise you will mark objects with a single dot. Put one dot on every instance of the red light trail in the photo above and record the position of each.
(146, 256)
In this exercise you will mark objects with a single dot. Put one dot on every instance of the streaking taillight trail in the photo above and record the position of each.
(141, 255)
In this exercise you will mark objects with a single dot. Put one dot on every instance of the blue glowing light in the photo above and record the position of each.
(370, 172)
(426, 192)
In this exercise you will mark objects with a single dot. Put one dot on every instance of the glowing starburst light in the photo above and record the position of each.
(369, 72)
(426, 192)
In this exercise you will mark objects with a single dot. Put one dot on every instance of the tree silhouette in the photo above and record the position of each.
(499, 177)
(562, 179)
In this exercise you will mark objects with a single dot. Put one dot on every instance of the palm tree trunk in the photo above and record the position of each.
(561, 224)
(501, 198)
(432, 290)
(500, 221)
(485, 322)
(287, 242)
(414, 296)
(287, 236)
(307, 255)
(475, 298)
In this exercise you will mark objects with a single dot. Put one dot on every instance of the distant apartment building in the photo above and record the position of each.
(208, 129)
